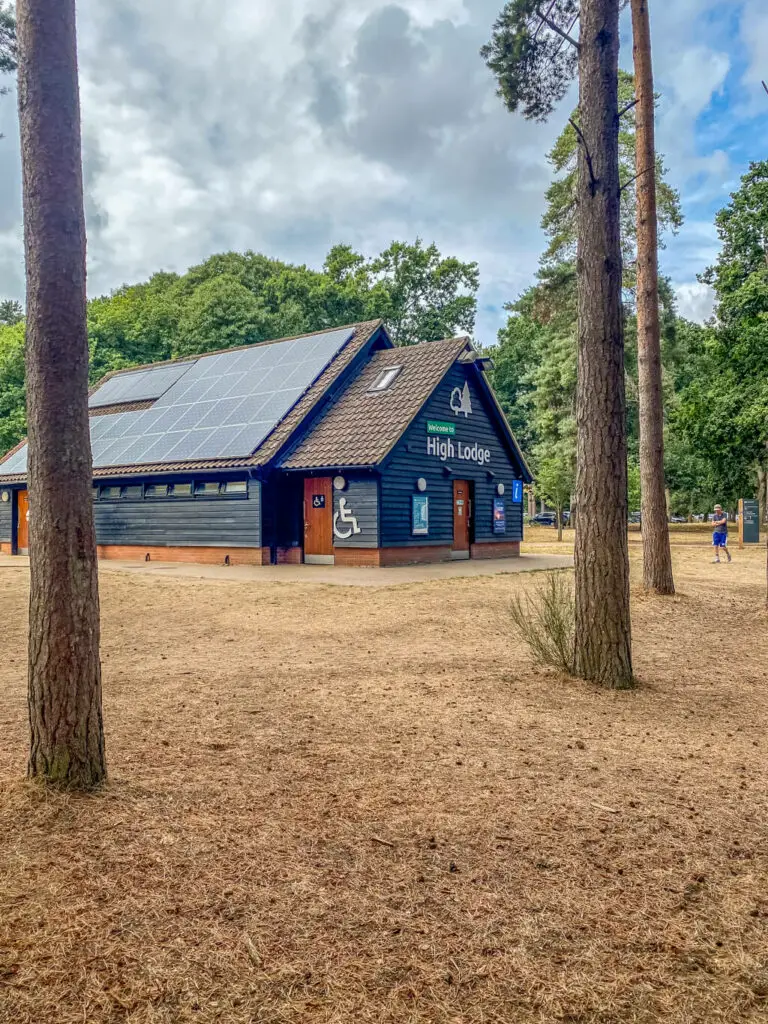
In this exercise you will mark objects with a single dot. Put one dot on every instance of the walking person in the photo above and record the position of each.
(720, 536)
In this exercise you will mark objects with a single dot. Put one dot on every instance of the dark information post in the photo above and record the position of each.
(749, 521)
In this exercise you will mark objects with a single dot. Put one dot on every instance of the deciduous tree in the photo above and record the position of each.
(67, 738)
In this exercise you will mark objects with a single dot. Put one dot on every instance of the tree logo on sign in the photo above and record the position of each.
(460, 401)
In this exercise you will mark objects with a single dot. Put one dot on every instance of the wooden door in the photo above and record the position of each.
(22, 522)
(462, 515)
(318, 520)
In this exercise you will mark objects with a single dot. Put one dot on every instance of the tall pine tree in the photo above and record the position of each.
(534, 53)
(67, 739)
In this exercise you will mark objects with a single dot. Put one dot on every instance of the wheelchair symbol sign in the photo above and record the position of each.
(318, 501)
(345, 516)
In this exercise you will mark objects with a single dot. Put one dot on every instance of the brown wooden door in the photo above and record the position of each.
(462, 514)
(22, 522)
(318, 519)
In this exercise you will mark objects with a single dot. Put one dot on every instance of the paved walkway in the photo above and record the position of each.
(340, 576)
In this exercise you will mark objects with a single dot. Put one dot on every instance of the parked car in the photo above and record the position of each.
(678, 519)
(634, 517)
(544, 519)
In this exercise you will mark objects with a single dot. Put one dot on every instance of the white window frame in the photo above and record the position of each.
(386, 379)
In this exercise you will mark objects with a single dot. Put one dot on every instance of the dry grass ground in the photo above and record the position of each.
(353, 806)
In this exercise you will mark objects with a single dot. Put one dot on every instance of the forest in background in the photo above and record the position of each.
(715, 376)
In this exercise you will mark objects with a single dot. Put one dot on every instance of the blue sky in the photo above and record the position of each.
(288, 128)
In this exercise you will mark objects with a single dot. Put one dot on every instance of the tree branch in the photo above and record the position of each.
(568, 33)
(625, 110)
(633, 179)
(556, 28)
(587, 154)
(541, 22)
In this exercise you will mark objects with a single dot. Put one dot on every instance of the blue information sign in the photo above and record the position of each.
(420, 515)
(499, 516)
(517, 492)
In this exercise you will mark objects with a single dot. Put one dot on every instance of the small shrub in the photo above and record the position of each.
(546, 621)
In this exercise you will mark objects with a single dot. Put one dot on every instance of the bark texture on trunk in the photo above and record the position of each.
(603, 651)
(66, 733)
(657, 554)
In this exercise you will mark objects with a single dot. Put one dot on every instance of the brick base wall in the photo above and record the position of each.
(414, 555)
(357, 556)
(208, 556)
(496, 549)
(380, 557)
(419, 555)
(5, 549)
(289, 556)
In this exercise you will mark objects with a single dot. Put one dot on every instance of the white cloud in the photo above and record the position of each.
(289, 127)
(754, 36)
(695, 301)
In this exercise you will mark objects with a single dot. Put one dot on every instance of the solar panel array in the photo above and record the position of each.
(221, 406)
(138, 386)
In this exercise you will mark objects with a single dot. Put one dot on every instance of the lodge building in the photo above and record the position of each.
(334, 447)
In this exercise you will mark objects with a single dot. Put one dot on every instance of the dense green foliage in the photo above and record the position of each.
(722, 413)
(715, 377)
(240, 298)
(535, 361)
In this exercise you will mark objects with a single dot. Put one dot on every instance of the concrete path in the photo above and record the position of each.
(327, 574)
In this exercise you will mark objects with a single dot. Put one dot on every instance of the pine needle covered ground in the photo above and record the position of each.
(358, 805)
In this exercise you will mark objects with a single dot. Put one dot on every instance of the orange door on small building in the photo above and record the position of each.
(318, 519)
(22, 522)
(462, 513)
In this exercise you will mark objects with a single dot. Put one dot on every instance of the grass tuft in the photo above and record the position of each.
(546, 620)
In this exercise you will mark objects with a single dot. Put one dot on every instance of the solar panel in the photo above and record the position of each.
(138, 385)
(219, 406)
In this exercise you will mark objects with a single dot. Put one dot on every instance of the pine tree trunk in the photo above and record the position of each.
(67, 739)
(657, 554)
(603, 650)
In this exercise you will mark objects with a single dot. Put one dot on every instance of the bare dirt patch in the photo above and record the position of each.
(353, 805)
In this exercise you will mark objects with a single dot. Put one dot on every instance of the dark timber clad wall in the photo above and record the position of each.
(410, 460)
(5, 520)
(182, 522)
(362, 500)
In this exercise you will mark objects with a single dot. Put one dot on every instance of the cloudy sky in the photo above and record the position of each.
(288, 126)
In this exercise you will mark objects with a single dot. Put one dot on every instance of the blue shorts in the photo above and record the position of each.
(720, 540)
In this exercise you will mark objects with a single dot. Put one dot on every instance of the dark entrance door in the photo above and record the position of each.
(318, 520)
(22, 523)
(462, 518)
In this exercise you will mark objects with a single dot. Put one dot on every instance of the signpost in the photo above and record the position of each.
(749, 522)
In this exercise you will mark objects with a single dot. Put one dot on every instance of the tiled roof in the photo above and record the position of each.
(361, 427)
(271, 444)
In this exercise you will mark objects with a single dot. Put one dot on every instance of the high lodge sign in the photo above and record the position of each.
(445, 449)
